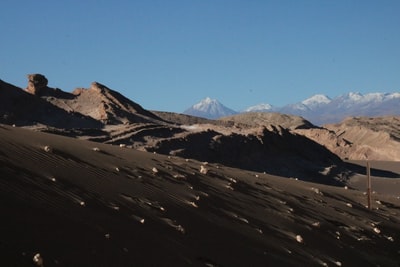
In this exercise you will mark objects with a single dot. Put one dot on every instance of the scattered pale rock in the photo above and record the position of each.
(316, 191)
(48, 149)
(391, 239)
(337, 235)
(316, 224)
(179, 176)
(229, 186)
(154, 170)
(232, 180)
(299, 239)
(203, 169)
(193, 204)
(38, 260)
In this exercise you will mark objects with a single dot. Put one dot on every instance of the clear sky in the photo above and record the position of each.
(168, 55)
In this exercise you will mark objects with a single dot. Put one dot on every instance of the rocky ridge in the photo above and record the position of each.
(361, 138)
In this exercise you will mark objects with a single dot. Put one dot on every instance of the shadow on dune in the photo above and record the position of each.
(276, 152)
(362, 170)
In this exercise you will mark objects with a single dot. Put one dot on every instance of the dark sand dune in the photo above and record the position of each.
(80, 203)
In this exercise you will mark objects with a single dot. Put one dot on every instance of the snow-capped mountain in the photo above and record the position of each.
(318, 109)
(210, 109)
(321, 109)
(305, 105)
(260, 108)
(316, 101)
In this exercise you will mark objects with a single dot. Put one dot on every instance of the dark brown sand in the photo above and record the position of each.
(385, 177)
(79, 203)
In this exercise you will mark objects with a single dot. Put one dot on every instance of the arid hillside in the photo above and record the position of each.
(356, 138)
(361, 138)
(24, 109)
(256, 119)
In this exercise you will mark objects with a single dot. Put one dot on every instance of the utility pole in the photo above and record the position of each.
(369, 193)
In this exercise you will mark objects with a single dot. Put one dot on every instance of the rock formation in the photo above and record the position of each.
(37, 83)
(109, 106)
(360, 138)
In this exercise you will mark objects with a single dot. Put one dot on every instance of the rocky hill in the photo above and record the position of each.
(361, 138)
(355, 138)
(98, 102)
(25, 109)
(255, 119)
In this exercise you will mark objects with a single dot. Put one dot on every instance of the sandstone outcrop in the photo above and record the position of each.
(98, 102)
(360, 138)
(37, 83)
(109, 106)
(25, 109)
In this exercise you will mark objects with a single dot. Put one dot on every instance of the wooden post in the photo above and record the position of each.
(369, 196)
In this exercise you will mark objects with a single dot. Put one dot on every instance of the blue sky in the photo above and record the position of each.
(168, 55)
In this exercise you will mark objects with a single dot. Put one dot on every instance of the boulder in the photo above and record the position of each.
(36, 83)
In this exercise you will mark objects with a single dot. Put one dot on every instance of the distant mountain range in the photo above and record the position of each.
(318, 109)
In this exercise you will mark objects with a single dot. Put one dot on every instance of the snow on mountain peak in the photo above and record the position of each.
(316, 100)
(353, 96)
(370, 97)
(260, 107)
(392, 95)
(209, 108)
(319, 108)
(205, 103)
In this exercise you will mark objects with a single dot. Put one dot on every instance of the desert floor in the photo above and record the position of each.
(80, 203)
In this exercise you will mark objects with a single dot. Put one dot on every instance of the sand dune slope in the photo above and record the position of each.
(80, 203)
